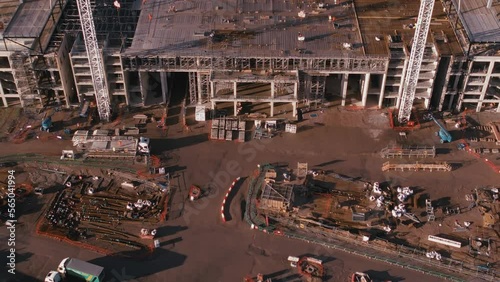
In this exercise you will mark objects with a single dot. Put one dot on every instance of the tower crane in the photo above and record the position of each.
(416, 56)
(95, 59)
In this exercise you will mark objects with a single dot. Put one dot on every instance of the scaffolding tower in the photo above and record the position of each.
(429, 210)
(24, 77)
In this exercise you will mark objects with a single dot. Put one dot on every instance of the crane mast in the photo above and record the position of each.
(95, 59)
(416, 56)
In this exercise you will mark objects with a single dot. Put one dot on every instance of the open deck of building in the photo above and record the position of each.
(246, 28)
(380, 19)
(29, 19)
(482, 24)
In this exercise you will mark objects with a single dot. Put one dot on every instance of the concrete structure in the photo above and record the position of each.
(282, 54)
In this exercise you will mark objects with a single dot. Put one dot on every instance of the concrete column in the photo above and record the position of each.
(427, 103)
(366, 86)
(272, 108)
(343, 87)
(164, 86)
(382, 91)
(272, 89)
(144, 82)
(200, 85)
(213, 105)
(212, 89)
(464, 86)
(294, 112)
(296, 90)
(235, 89)
(235, 108)
(485, 86)
(4, 100)
(401, 85)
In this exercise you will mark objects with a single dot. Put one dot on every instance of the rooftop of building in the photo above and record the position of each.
(29, 19)
(272, 28)
(7, 9)
(378, 19)
(256, 28)
(481, 23)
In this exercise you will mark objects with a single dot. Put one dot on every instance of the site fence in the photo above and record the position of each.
(378, 249)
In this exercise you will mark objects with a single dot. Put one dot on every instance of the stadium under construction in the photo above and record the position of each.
(229, 53)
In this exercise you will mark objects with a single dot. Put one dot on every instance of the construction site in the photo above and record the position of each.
(265, 56)
(364, 138)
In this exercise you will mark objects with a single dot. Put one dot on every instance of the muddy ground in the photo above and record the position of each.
(197, 246)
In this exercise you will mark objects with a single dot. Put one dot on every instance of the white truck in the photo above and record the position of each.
(71, 269)
(143, 146)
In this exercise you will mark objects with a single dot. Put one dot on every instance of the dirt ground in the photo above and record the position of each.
(197, 246)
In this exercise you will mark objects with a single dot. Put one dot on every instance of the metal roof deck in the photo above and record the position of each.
(245, 28)
(29, 19)
(482, 24)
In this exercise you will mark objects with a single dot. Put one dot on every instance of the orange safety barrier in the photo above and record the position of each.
(478, 156)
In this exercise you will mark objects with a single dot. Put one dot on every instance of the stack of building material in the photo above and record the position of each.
(214, 131)
(222, 129)
(241, 131)
(228, 129)
(417, 166)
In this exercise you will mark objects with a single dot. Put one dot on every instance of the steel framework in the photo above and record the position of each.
(24, 78)
(193, 88)
(95, 59)
(415, 62)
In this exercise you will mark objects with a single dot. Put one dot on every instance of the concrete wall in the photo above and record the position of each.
(65, 70)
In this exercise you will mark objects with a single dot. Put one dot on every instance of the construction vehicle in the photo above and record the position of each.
(74, 269)
(143, 146)
(260, 278)
(443, 134)
(194, 193)
(53, 276)
(46, 124)
(308, 267)
(362, 277)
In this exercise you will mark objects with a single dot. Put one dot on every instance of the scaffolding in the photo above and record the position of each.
(184, 62)
(203, 87)
(317, 89)
(395, 151)
(193, 91)
(444, 166)
(429, 210)
(24, 77)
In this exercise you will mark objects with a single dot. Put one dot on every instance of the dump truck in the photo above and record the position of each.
(71, 269)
